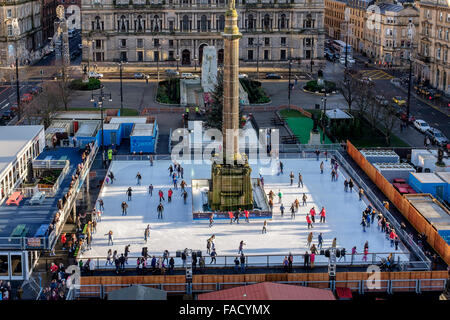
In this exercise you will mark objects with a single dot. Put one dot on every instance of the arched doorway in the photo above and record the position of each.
(186, 57)
(220, 57)
(200, 53)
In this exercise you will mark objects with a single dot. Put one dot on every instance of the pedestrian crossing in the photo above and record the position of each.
(376, 74)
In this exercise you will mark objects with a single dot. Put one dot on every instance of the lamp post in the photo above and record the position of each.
(258, 44)
(121, 91)
(411, 31)
(324, 102)
(289, 85)
(16, 32)
(101, 96)
(195, 62)
(157, 45)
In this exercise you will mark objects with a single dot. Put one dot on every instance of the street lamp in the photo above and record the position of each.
(121, 91)
(289, 88)
(411, 31)
(258, 44)
(157, 45)
(195, 62)
(324, 102)
(16, 32)
(101, 96)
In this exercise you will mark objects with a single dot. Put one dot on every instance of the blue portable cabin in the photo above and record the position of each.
(111, 134)
(143, 137)
(432, 183)
(88, 132)
(126, 124)
(445, 176)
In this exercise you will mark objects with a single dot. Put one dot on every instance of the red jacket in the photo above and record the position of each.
(160, 193)
(170, 193)
(246, 213)
(54, 268)
(63, 239)
(312, 212)
(230, 214)
(308, 219)
(392, 235)
(322, 212)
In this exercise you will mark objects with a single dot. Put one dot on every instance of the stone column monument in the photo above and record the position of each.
(230, 185)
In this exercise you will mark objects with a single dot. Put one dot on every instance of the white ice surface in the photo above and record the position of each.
(178, 230)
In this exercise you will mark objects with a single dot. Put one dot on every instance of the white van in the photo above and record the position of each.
(188, 75)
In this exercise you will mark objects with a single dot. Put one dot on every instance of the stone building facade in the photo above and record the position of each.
(335, 18)
(175, 31)
(432, 60)
(29, 40)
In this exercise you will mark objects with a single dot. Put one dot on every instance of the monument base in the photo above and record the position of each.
(314, 138)
(230, 187)
(85, 78)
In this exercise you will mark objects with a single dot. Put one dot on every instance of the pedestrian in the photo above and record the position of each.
(279, 196)
(320, 241)
(350, 184)
(306, 260)
(345, 185)
(122, 262)
(169, 195)
(147, 233)
(161, 195)
(236, 264)
(304, 198)
(353, 254)
(151, 160)
(312, 213)
(150, 190)
(247, 215)
(236, 216)
(129, 193)
(290, 262)
(292, 211)
(211, 219)
(160, 210)
(117, 264)
(108, 257)
(291, 176)
(322, 215)
(138, 177)
(241, 246)
(321, 167)
(285, 264)
(213, 256)
(308, 220)
(282, 209)
(185, 196)
(171, 265)
(312, 258)
(110, 237)
(361, 193)
(264, 229)
(124, 206)
(100, 205)
(300, 180)
(309, 240)
(364, 223)
(230, 215)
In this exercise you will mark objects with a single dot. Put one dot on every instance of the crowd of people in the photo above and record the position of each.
(5, 290)
(57, 290)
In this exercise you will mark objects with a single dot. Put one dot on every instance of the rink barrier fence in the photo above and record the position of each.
(419, 222)
(389, 282)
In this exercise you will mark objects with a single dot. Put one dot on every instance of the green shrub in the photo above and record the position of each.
(313, 86)
(256, 93)
(168, 91)
(78, 84)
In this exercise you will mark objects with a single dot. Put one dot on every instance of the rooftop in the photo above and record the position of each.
(12, 140)
(431, 210)
(128, 120)
(426, 177)
(142, 129)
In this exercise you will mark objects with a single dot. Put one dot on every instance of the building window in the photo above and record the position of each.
(156, 55)
(123, 43)
(250, 41)
(140, 43)
(98, 44)
(267, 41)
(123, 56)
(155, 42)
(171, 43)
(221, 24)
(123, 24)
(266, 54)
(283, 41)
(250, 55)
(139, 24)
(438, 54)
(171, 26)
(171, 55)
(267, 22)
(283, 22)
(185, 24)
(251, 25)
(140, 56)
(283, 54)
(156, 24)
(9, 13)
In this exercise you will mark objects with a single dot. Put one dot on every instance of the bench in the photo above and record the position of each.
(19, 231)
(38, 198)
(16, 197)
(41, 231)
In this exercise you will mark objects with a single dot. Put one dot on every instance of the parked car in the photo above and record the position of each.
(36, 90)
(8, 115)
(243, 76)
(139, 75)
(26, 97)
(171, 72)
(433, 94)
(436, 136)
(349, 60)
(95, 75)
(399, 100)
(273, 76)
(421, 125)
(188, 75)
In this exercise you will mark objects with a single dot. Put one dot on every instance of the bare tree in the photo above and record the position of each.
(63, 81)
(45, 104)
(388, 119)
(347, 89)
(364, 96)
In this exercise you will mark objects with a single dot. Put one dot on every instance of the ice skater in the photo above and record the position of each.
(139, 178)
(129, 190)
(292, 211)
(291, 176)
(321, 167)
(309, 240)
(183, 185)
(110, 238)
(169, 195)
(211, 219)
(304, 198)
(185, 196)
(170, 170)
(322, 215)
(361, 193)
(111, 176)
(364, 224)
(230, 215)
(308, 221)
(100, 205)
(236, 215)
(279, 196)
(281, 167)
(150, 190)
(300, 180)
(350, 185)
(241, 247)
(346, 185)
(147, 233)
(151, 160)
(247, 215)
(312, 213)
(161, 195)
(160, 210)
(264, 229)
(320, 241)
(124, 206)
(282, 209)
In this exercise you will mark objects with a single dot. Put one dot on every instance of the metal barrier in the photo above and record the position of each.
(405, 285)
(375, 286)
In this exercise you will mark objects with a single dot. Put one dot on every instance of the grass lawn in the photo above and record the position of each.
(371, 138)
(126, 111)
(301, 126)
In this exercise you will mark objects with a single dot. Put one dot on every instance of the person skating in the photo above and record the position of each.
(281, 167)
(139, 178)
(185, 196)
(111, 177)
(183, 185)
(150, 190)
(282, 209)
(280, 195)
(308, 221)
(169, 195)
(313, 249)
(242, 258)
(292, 211)
(309, 240)
(334, 243)
(350, 185)
(321, 167)
(333, 175)
(264, 229)
(161, 195)
(213, 256)
(241, 247)
(124, 206)
(100, 205)
(291, 176)
(247, 216)
(170, 170)
(271, 194)
(236, 216)
(122, 262)
(317, 152)
(392, 236)
(320, 241)
(361, 193)
(129, 190)
(151, 160)
(346, 185)
(300, 180)
(211, 219)
(306, 260)
(304, 198)
(271, 205)
(160, 210)
(396, 242)
(230, 215)
(312, 213)
(353, 254)
(108, 257)
(127, 251)
(147, 233)
(322, 215)
(296, 204)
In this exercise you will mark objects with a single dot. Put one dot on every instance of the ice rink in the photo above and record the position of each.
(177, 230)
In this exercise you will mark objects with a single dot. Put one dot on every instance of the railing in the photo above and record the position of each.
(360, 286)
(380, 207)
